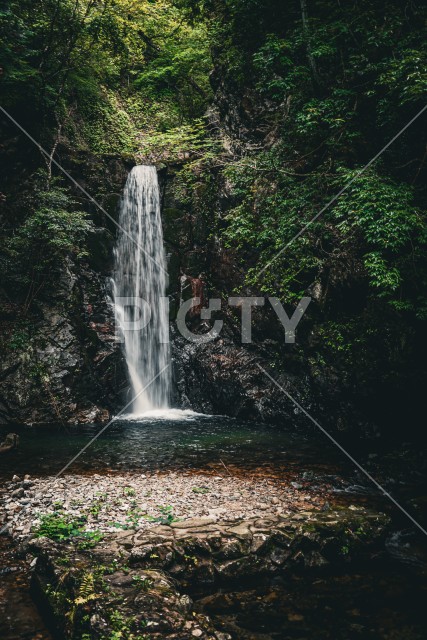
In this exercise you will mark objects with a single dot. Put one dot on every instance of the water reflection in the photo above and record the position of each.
(187, 441)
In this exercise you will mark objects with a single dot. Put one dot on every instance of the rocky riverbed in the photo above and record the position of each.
(135, 500)
(127, 555)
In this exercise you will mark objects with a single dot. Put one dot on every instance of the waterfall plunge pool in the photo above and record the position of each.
(170, 438)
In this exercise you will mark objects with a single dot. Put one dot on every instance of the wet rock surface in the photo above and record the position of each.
(68, 365)
(222, 376)
(371, 603)
(144, 581)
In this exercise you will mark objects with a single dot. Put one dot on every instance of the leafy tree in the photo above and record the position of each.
(100, 71)
(52, 230)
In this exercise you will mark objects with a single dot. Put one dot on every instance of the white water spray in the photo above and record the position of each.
(140, 274)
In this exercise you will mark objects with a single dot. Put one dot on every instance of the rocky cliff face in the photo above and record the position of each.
(65, 366)
(222, 376)
(61, 362)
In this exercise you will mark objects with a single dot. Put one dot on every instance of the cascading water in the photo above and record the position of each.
(140, 275)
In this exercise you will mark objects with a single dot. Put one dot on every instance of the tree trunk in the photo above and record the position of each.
(306, 30)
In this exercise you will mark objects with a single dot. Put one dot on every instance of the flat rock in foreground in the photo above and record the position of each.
(136, 584)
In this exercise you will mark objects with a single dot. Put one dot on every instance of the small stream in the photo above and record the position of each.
(381, 601)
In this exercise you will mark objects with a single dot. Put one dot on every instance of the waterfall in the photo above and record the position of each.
(140, 273)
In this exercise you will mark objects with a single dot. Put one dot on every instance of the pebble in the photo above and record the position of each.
(296, 485)
(141, 501)
(262, 506)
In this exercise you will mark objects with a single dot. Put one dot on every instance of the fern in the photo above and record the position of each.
(86, 593)
(86, 589)
(79, 601)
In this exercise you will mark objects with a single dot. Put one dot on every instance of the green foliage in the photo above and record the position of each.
(391, 227)
(201, 490)
(124, 628)
(86, 590)
(180, 143)
(177, 67)
(59, 527)
(275, 68)
(102, 71)
(89, 539)
(19, 339)
(104, 124)
(272, 208)
(374, 224)
(306, 102)
(135, 514)
(166, 517)
(142, 583)
(53, 228)
(406, 75)
(79, 593)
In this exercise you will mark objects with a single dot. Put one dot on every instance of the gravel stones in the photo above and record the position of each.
(145, 501)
